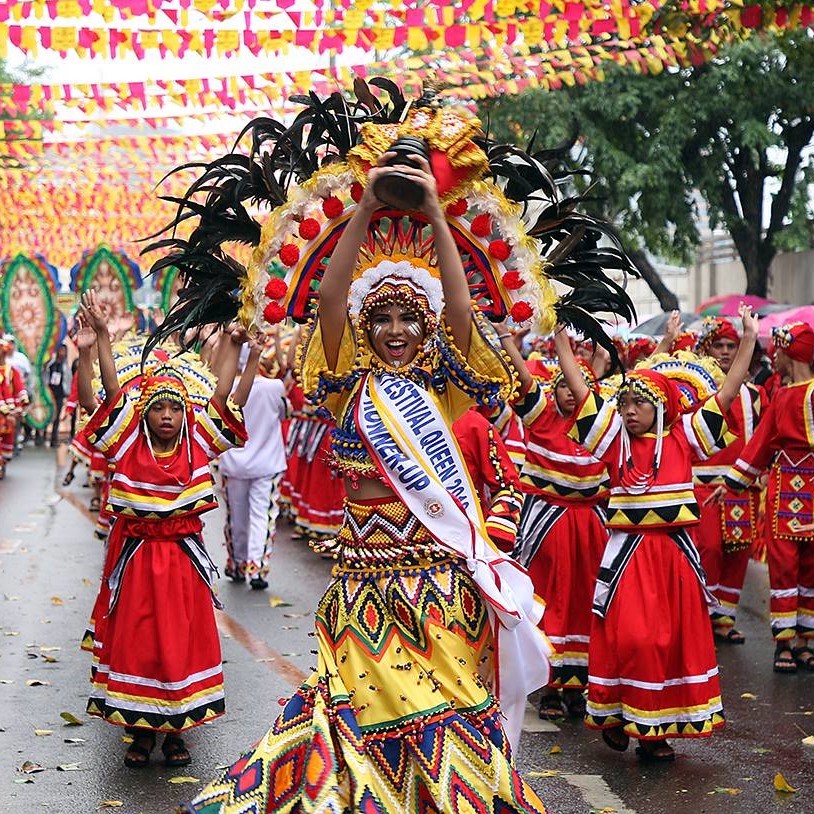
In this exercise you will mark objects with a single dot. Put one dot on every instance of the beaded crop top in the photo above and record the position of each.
(455, 382)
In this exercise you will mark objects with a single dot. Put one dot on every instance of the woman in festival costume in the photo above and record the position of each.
(427, 637)
(562, 532)
(652, 667)
(12, 398)
(784, 444)
(160, 591)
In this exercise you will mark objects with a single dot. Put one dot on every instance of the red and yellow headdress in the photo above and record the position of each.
(161, 388)
(713, 329)
(514, 234)
(796, 340)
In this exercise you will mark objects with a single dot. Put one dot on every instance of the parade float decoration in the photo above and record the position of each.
(28, 310)
(113, 276)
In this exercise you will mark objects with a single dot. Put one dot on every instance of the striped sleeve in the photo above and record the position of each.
(531, 405)
(113, 427)
(756, 456)
(707, 429)
(220, 428)
(595, 424)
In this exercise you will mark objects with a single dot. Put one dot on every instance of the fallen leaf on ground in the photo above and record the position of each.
(73, 740)
(781, 784)
(49, 659)
(268, 659)
(749, 695)
(183, 779)
(10, 598)
(544, 773)
(290, 655)
(808, 741)
(68, 767)
(111, 804)
(24, 780)
(761, 750)
(70, 719)
(554, 750)
(278, 602)
(49, 648)
(725, 790)
(290, 627)
(86, 581)
(11, 632)
(55, 600)
(37, 682)
(6, 680)
(296, 615)
(41, 733)
(29, 767)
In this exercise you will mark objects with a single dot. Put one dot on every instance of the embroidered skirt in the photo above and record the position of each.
(397, 717)
(172, 678)
(652, 665)
(562, 546)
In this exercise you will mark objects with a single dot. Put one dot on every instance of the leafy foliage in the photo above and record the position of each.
(736, 131)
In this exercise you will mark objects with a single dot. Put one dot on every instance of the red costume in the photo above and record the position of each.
(157, 590)
(726, 535)
(310, 492)
(784, 443)
(12, 398)
(562, 532)
(494, 476)
(652, 660)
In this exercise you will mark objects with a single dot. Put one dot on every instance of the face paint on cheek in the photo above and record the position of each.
(376, 329)
(414, 329)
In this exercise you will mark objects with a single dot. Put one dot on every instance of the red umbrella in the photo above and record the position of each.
(729, 308)
(803, 313)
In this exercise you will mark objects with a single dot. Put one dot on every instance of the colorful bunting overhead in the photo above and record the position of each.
(63, 190)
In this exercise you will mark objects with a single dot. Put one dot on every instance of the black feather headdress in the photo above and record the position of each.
(289, 191)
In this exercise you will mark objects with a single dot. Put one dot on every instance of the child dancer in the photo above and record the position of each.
(160, 587)
(562, 530)
(784, 442)
(652, 670)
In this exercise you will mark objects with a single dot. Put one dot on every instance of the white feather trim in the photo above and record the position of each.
(416, 277)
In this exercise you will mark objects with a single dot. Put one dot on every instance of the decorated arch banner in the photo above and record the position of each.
(28, 287)
(113, 276)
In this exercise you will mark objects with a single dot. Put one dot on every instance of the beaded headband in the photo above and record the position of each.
(713, 329)
(161, 388)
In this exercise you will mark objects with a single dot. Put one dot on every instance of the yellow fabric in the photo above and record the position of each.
(483, 363)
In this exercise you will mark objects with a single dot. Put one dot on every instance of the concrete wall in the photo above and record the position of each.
(792, 278)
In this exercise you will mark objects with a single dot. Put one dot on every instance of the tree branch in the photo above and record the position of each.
(667, 299)
(796, 138)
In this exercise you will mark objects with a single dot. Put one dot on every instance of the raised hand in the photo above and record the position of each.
(673, 327)
(750, 321)
(85, 336)
(92, 312)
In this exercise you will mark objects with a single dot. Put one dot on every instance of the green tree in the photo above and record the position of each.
(737, 131)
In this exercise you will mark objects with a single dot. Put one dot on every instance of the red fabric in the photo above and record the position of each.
(165, 606)
(564, 573)
(801, 347)
(656, 631)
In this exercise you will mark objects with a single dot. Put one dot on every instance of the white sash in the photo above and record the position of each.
(413, 447)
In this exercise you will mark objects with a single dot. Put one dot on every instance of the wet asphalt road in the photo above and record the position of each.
(49, 567)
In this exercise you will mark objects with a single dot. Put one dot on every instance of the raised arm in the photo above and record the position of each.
(672, 329)
(569, 365)
(333, 289)
(739, 370)
(508, 343)
(228, 356)
(457, 299)
(92, 315)
(247, 377)
(85, 340)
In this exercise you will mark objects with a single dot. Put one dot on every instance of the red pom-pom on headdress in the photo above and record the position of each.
(500, 250)
(273, 313)
(482, 225)
(512, 280)
(309, 228)
(289, 254)
(521, 311)
(332, 207)
(276, 288)
(356, 191)
(457, 208)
